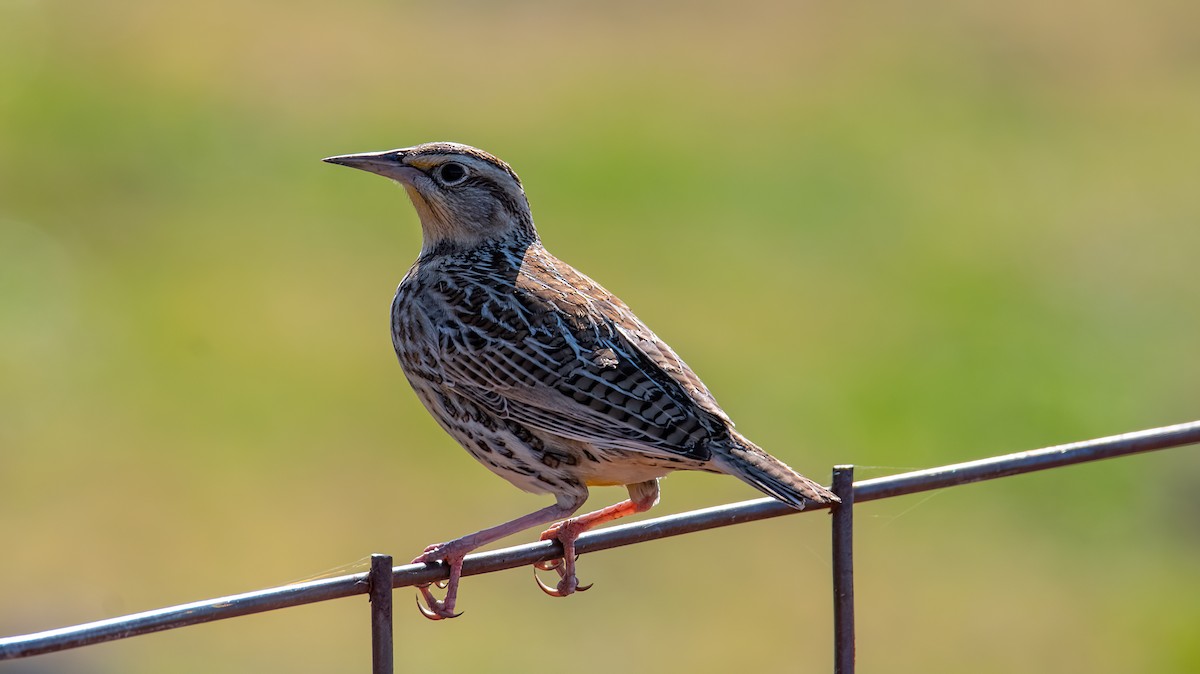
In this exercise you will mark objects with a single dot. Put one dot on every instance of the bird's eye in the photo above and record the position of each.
(451, 173)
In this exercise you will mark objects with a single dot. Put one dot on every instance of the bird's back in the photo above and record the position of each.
(535, 340)
(527, 338)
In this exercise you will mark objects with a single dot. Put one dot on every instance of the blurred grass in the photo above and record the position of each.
(894, 235)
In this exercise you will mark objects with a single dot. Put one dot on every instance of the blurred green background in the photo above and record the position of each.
(889, 234)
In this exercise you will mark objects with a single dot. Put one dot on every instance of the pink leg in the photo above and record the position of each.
(453, 552)
(642, 496)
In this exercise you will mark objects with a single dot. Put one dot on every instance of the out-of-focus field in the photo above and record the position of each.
(895, 235)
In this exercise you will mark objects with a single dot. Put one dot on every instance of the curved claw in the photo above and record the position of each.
(551, 591)
(434, 613)
(563, 588)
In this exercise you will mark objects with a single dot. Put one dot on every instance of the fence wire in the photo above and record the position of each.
(627, 534)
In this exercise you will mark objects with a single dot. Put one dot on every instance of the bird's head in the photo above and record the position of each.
(464, 196)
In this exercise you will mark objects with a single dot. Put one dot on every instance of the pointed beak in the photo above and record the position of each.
(389, 164)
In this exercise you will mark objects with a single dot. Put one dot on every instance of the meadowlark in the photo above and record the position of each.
(540, 373)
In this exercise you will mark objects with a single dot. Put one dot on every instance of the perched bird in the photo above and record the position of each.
(540, 373)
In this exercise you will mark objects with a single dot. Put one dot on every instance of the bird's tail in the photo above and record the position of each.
(746, 461)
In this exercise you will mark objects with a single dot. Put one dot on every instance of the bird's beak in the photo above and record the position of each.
(389, 164)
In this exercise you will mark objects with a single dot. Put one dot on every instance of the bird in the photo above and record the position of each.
(542, 375)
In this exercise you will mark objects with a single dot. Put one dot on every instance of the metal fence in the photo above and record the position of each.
(379, 582)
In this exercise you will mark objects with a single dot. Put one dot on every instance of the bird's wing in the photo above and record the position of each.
(563, 355)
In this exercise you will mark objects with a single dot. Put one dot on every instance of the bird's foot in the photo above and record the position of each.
(568, 583)
(434, 608)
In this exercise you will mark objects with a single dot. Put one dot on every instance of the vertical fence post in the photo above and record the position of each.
(380, 588)
(843, 571)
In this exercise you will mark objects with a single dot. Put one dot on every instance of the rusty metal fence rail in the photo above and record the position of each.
(383, 577)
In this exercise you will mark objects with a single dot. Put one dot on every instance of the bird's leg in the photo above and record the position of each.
(453, 552)
(642, 497)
